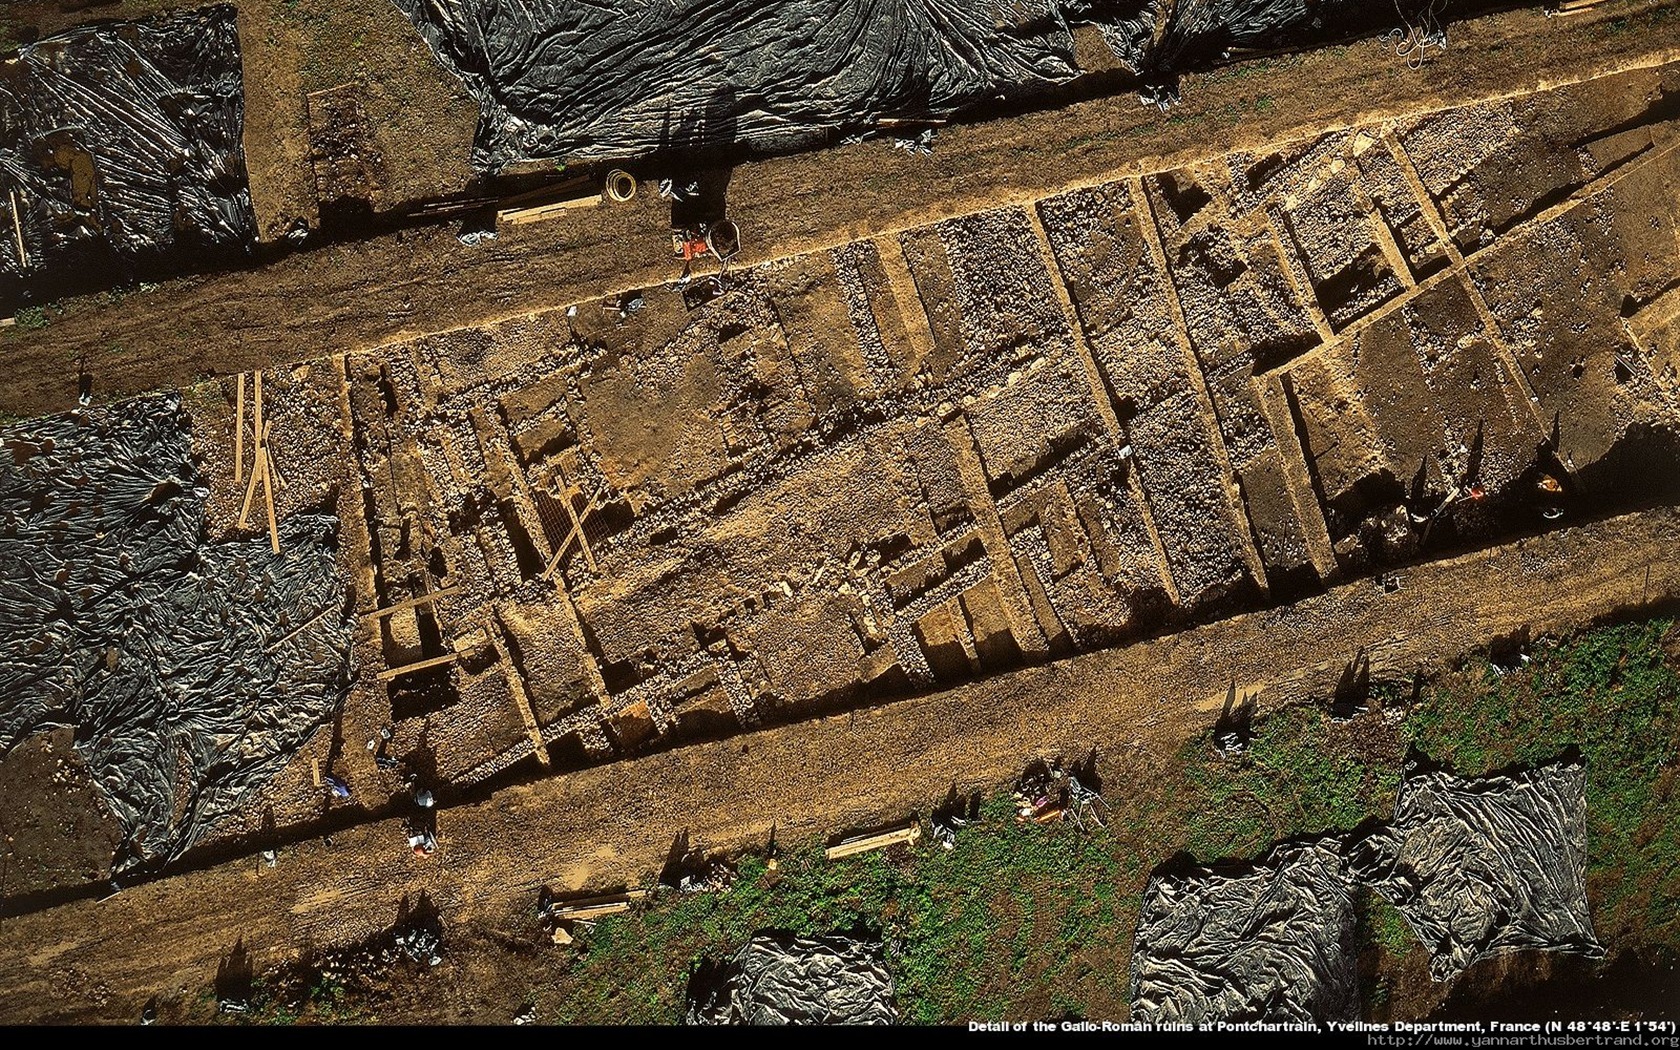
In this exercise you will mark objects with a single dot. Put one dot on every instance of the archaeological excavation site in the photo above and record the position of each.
(1156, 516)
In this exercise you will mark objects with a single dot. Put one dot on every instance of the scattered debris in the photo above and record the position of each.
(689, 870)
(1084, 801)
(922, 144)
(421, 840)
(1234, 730)
(1051, 792)
(955, 813)
(477, 229)
(417, 934)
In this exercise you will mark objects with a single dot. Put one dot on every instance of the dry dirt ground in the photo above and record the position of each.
(613, 824)
(363, 293)
(1217, 398)
(931, 456)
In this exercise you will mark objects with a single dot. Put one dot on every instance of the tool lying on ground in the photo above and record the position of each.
(720, 240)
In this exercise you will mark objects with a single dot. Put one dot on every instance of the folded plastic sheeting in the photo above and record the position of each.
(121, 153)
(1197, 32)
(1272, 941)
(612, 78)
(1488, 865)
(190, 672)
(591, 79)
(781, 979)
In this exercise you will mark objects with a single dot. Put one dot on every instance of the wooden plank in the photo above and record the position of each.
(17, 231)
(251, 489)
(431, 596)
(436, 661)
(518, 216)
(257, 414)
(268, 496)
(595, 907)
(239, 431)
(865, 843)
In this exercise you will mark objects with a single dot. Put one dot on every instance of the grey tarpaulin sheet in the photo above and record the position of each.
(1272, 941)
(1486, 865)
(1197, 32)
(121, 152)
(190, 672)
(591, 79)
(782, 979)
(610, 78)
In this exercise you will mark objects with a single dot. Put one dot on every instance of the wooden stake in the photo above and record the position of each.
(239, 431)
(411, 603)
(268, 494)
(315, 765)
(268, 457)
(257, 468)
(420, 665)
(257, 418)
(17, 230)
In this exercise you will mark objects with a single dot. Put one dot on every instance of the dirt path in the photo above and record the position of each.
(360, 294)
(614, 824)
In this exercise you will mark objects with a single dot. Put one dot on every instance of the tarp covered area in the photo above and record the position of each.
(614, 78)
(121, 154)
(190, 671)
(1268, 941)
(779, 978)
(1198, 32)
(592, 79)
(1486, 865)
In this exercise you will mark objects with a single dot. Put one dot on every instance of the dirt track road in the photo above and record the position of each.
(365, 293)
(613, 824)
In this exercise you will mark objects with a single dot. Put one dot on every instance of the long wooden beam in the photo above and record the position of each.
(436, 661)
(430, 596)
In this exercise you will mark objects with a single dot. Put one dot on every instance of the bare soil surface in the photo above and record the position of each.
(366, 292)
(614, 824)
(981, 429)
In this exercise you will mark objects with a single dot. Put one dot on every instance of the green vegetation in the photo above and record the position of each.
(33, 318)
(1027, 920)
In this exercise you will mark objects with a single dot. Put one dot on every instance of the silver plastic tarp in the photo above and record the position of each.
(190, 671)
(1272, 940)
(1486, 865)
(591, 79)
(121, 153)
(782, 979)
